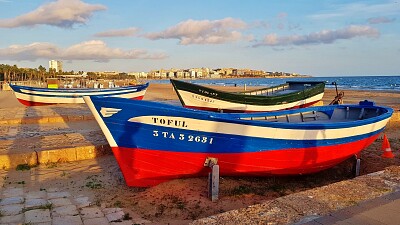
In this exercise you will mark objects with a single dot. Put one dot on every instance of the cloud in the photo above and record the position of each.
(377, 20)
(29, 52)
(322, 37)
(90, 50)
(61, 13)
(358, 9)
(132, 31)
(203, 32)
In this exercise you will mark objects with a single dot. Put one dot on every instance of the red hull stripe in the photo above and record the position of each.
(246, 111)
(143, 167)
(30, 103)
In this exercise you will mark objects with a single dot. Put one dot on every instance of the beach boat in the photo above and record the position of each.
(34, 96)
(292, 94)
(155, 142)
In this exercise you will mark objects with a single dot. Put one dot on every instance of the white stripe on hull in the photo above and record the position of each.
(257, 131)
(195, 100)
(61, 100)
(66, 93)
(100, 121)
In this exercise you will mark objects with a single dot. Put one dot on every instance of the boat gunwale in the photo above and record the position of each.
(242, 98)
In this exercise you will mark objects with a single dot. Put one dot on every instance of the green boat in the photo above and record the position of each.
(290, 95)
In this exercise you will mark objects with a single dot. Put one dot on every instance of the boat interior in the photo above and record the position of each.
(280, 90)
(340, 114)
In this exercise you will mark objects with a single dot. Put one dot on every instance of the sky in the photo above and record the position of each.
(318, 38)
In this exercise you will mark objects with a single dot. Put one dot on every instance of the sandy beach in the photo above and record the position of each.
(184, 200)
(165, 92)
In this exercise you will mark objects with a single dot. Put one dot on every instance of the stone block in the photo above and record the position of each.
(96, 221)
(66, 210)
(10, 210)
(14, 219)
(67, 220)
(12, 200)
(82, 202)
(57, 202)
(58, 155)
(91, 212)
(35, 195)
(13, 192)
(63, 194)
(34, 203)
(117, 216)
(37, 216)
(13, 160)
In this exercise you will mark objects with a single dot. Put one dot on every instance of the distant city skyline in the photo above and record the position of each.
(317, 38)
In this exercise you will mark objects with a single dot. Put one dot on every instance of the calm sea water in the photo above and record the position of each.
(379, 83)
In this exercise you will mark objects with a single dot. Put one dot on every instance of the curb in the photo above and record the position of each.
(52, 156)
(41, 120)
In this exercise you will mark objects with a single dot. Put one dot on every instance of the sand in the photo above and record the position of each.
(184, 200)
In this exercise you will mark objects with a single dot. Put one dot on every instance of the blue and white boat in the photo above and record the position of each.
(155, 142)
(34, 96)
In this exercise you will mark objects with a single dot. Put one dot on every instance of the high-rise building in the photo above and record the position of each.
(54, 64)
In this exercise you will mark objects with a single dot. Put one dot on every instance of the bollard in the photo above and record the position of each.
(213, 178)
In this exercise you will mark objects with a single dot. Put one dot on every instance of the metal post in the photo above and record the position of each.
(213, 178)
(356, 166)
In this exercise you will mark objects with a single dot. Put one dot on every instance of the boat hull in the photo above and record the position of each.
(31, 96)
(155, 142)
(140, 169)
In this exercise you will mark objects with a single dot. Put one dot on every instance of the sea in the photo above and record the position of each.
(371, 83)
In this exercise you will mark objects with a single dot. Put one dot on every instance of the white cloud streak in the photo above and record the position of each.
(203, 32)
(378, 20)
(322, 37)
(90, 50)
(128, 32)
(61, 13)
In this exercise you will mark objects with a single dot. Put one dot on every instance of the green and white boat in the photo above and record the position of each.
(290, 95)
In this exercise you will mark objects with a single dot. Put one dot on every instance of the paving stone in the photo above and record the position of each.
(57, 202)
(67, 220)
(96, 221)
(35, 195)
(111, 210)
(51, 195)
(66, 210)
(92, 212)
(10, 210)
(53, 190)
(34, 203)
(12, 219)
(13, 192)
(12, 200)
(37, 216)
(115, 216)
(82, 202)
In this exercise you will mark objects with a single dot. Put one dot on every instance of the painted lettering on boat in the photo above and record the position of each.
(207, 92)
(202, 98)
(183, 137)
(169, 122)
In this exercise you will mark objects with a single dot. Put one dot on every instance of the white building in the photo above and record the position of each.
(57, 65)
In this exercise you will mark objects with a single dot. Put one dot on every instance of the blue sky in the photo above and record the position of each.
(319, 38)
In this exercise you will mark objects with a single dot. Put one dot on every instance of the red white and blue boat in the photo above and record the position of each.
(290, 95)
(34, 96)
(155, 142)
